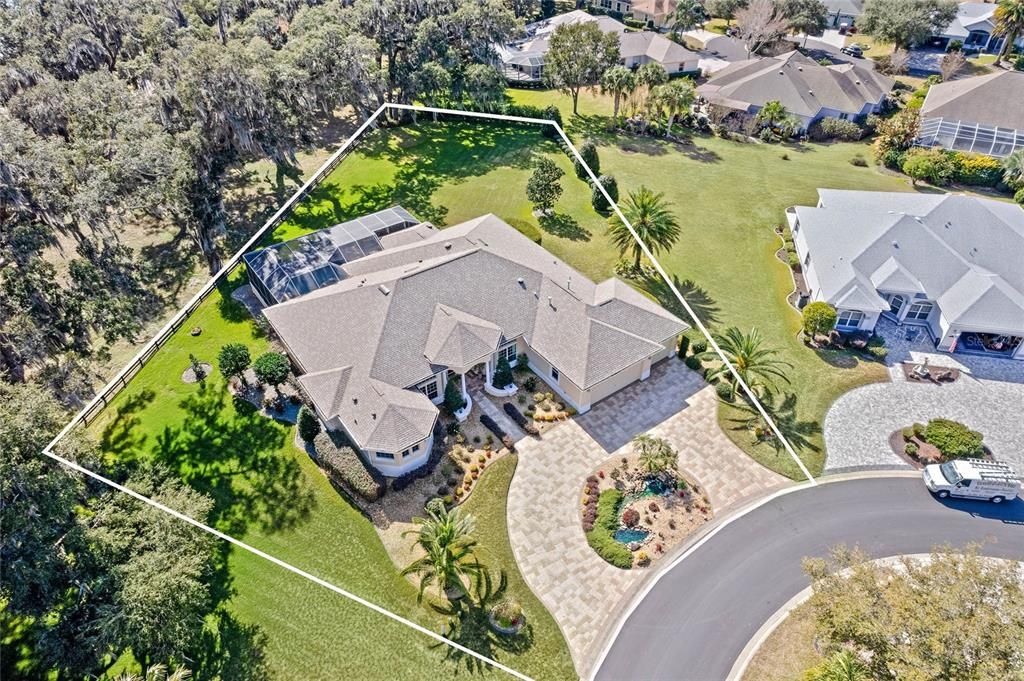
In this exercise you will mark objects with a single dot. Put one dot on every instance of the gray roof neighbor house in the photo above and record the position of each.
(984, 114)
(806, 88)
(963, 254)
(444, 300)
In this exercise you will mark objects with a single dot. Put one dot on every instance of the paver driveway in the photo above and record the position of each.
(581, 590)
(988, 397)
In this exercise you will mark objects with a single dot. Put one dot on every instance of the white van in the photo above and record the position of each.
(972, 479)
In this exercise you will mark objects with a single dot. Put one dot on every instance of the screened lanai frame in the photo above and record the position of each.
(294, 268)
(971, 137)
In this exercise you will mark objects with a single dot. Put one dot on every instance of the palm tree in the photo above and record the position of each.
(1013, 169)
(448, 556)
(1009, 16)
(755, 364)
(651, 218)
(157, 672)
(689, 13)
(647, 77)
(618, 81)
(771, 112)
(656, 455)
(842, 666)
(673, 98)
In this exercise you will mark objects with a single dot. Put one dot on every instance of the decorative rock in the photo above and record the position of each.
(196, 330)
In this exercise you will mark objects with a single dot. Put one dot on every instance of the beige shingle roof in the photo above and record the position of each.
(995, 99)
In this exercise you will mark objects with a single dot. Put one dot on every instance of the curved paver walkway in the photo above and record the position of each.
(988, 397)
(580, 589)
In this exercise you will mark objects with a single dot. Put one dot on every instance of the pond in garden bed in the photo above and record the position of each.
(628, 536)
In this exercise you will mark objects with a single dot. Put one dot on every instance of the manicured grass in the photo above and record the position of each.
(270, 494)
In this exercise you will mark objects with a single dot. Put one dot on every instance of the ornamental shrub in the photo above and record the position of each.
(588, 151)
(819, 318)
(552, 113)
(699, 347)
(309, 424)
(684, 345)
(953, 439)
(272, 368)
(908, 433)
(345, 467)
(507, 612)
(693, 362)
(233, 359)
(918, 429)
(935, 166)
(910, 449)
(630, 517)
(502, 374)
(977, 169)
(597, 199)
(724, 391)
(519, 419)
(601, 537)
(453, 399)
(832, 128)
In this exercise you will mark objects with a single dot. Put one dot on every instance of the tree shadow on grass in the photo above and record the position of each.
(565, 226)
(840, 359)
(232, 651)
(697, 297)
(468, 625)
(234, 455)
(122, 438)
(782, 409)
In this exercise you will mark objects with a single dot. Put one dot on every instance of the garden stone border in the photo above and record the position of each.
(506, 631)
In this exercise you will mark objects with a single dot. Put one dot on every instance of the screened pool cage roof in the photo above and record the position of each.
(972, 137)
(306, 263)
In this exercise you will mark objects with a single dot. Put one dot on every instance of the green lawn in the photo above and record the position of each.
(271, 495)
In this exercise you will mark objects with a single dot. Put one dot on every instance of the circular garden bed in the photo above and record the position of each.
(938, 441)
(633, 512)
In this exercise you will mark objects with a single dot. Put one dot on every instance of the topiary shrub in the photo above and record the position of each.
(910, 449)
(502, 374)
(520, 420)
(233, 359)
(308, 423)
(630, 517)
(597, 199)
(699, 347)
(819, 318)
(684, 345)
(345, 467)
(953, 439)
(724, 391)
(601, 538)
(693, 362)
(551, 113)
(908, 434)
(588, 151)
(272, 368)
(453, 399)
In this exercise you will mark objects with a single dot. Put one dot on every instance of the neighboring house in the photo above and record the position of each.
(843, 12)
(714, 50)
(523, 60)
(973, 26)
(808, 90)
(655, 13)
(418, 307)
(983, 114)
(949, 263)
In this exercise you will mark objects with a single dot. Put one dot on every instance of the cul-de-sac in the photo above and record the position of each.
(619, 340)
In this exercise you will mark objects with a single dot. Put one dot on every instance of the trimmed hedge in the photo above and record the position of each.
(521, 421)
(601, 538)
(492, 425)
(953, 439)
(346, 467)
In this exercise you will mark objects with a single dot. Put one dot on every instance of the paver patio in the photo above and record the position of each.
(582, 591)
(988, 397)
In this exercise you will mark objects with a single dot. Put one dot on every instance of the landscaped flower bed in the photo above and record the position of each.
(637, 509)
(939, 441)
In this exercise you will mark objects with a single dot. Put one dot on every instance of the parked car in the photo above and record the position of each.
(853, 51)
(972, 479)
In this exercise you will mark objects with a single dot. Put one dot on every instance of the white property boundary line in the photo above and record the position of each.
(150, 347)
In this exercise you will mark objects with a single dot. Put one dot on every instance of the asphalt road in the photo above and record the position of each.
(698, 618)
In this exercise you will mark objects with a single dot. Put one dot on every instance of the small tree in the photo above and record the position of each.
(272, 368)
(502, 374)
(543, 189)
(309, 424)
(724, 9)
(197, 368)
(233, 359)
(819, 319)
(809, 17)
(656, 454)
(597, 199)
(453, 399)
(619, 82)
(578, 55)
(952, 63)
(588, 150)
(760, 23)
(485, 85)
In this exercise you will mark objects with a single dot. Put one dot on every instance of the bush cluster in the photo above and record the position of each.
(520, 420)
(590, 497)
(832, 128)
(941, 166)
(347, 468)
(601, 537)
(953, 439)
(492, 425)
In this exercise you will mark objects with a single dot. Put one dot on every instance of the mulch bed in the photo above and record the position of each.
(936, 375)
(926, 453)
(189, 375)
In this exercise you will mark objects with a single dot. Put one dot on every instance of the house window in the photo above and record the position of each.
(386, 455)
(415, 448)
(508, 352)
(405, 453)
(807, 259)
(919, 311)
(429, 389)
(849, 319)
(554, 373)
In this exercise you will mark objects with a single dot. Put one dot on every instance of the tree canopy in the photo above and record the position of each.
(578, 55)
(906, 22)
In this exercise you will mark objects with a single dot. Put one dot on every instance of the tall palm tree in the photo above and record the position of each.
(647, 77)
(449, 558)
(756, 364)
(653, 221)
(672, 99)
(619, 82)
(688, 14)
(1009, 16)
(1013, 169)
(842, 666)
(772, 112)
(157, 672)
(656, 455)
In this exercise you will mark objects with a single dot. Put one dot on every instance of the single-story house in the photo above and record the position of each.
(949, 263)
(843, 12)
(522, 61)
(808, 90)
(973, 26)
(983, 114)
(715, 51)
(655, 13)
(374, 348)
